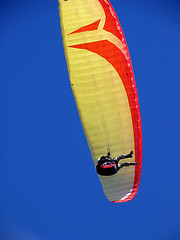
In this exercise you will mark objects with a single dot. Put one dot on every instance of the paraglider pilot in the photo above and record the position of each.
(107, 166)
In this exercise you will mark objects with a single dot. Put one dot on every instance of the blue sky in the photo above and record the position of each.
(41, 197)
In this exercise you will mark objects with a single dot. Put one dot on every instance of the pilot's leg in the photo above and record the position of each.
(126, 164)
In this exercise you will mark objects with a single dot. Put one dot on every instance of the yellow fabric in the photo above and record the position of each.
(99, 92)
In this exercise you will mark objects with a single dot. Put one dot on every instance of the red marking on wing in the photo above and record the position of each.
(90, 27)
(123, 67)
(111, 24)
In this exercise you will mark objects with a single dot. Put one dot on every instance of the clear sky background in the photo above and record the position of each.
(49, 189)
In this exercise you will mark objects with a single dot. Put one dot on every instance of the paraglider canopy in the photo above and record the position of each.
(104, 88)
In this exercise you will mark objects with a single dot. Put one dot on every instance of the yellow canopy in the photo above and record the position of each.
(103, 85)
